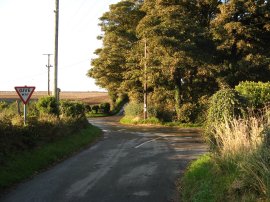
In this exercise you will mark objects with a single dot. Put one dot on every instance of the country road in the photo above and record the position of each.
(129, 164)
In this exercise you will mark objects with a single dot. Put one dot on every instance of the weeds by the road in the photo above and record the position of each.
(238, 168)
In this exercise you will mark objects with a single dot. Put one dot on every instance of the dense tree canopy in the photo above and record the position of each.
(242, 35)
(194, 48)
(118, 27)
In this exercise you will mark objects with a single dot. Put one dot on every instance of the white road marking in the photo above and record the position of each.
(147, 142)
(106, 131)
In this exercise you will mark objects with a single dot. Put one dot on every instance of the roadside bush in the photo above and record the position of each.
(95, 108)
(47, 105)
(41, 128)
(134, 109)
(3, 105)
(32, 110)
(201, 110)
(17, 120)
(88, 108)
(134, 114)
(12, 108)
(257, 94)
(151, 112)
(187, 113)
(14, 136)
(225, 104)
(5, 123)
(72, 109)
(105, 107)
(165, 114)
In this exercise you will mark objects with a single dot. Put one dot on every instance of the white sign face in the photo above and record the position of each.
(25, 92)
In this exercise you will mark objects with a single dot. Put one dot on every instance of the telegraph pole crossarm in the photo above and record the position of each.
(48, 66)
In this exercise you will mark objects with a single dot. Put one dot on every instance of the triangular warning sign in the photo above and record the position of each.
(25, 92)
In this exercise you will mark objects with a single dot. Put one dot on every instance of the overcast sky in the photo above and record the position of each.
(27, 32)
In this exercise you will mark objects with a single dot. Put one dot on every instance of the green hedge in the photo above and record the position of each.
(48, 105)
(225, 104)
(230, 103)
(256, 93)
(43, 125)
(72, 109)
(134, 109)
(105, 107)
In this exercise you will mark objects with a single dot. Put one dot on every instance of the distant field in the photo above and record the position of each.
(86, 97)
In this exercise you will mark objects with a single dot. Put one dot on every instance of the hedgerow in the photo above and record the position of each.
(42, 127)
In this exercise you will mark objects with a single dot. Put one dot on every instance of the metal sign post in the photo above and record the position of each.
(24, 114)
(25, 93)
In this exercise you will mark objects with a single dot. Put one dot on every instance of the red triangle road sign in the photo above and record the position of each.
(25, 92)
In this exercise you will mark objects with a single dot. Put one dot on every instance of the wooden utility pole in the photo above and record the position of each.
(48, 66)
(55, 92)
(145, 82)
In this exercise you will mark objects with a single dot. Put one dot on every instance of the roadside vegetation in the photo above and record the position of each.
(52, 133)
(237, 168)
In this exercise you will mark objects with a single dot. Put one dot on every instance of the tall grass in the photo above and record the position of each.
(238, 138)
(238, 166)
(241, 146)
(256, 172)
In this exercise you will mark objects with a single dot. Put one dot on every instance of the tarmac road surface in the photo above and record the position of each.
(129, 164)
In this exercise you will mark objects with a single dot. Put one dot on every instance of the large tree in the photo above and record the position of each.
(194, 47)
(177, 35)
(118, 26)
(242, 35)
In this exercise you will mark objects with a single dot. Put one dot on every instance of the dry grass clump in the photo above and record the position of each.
(238, 137)
(241, 146)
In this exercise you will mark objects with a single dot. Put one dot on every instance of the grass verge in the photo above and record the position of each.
(93, 115)
(183, 125)
(155, 121)
(23, 165)
(204, 181)
(137, 120)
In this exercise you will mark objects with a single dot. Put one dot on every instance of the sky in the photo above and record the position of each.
(27, 32)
